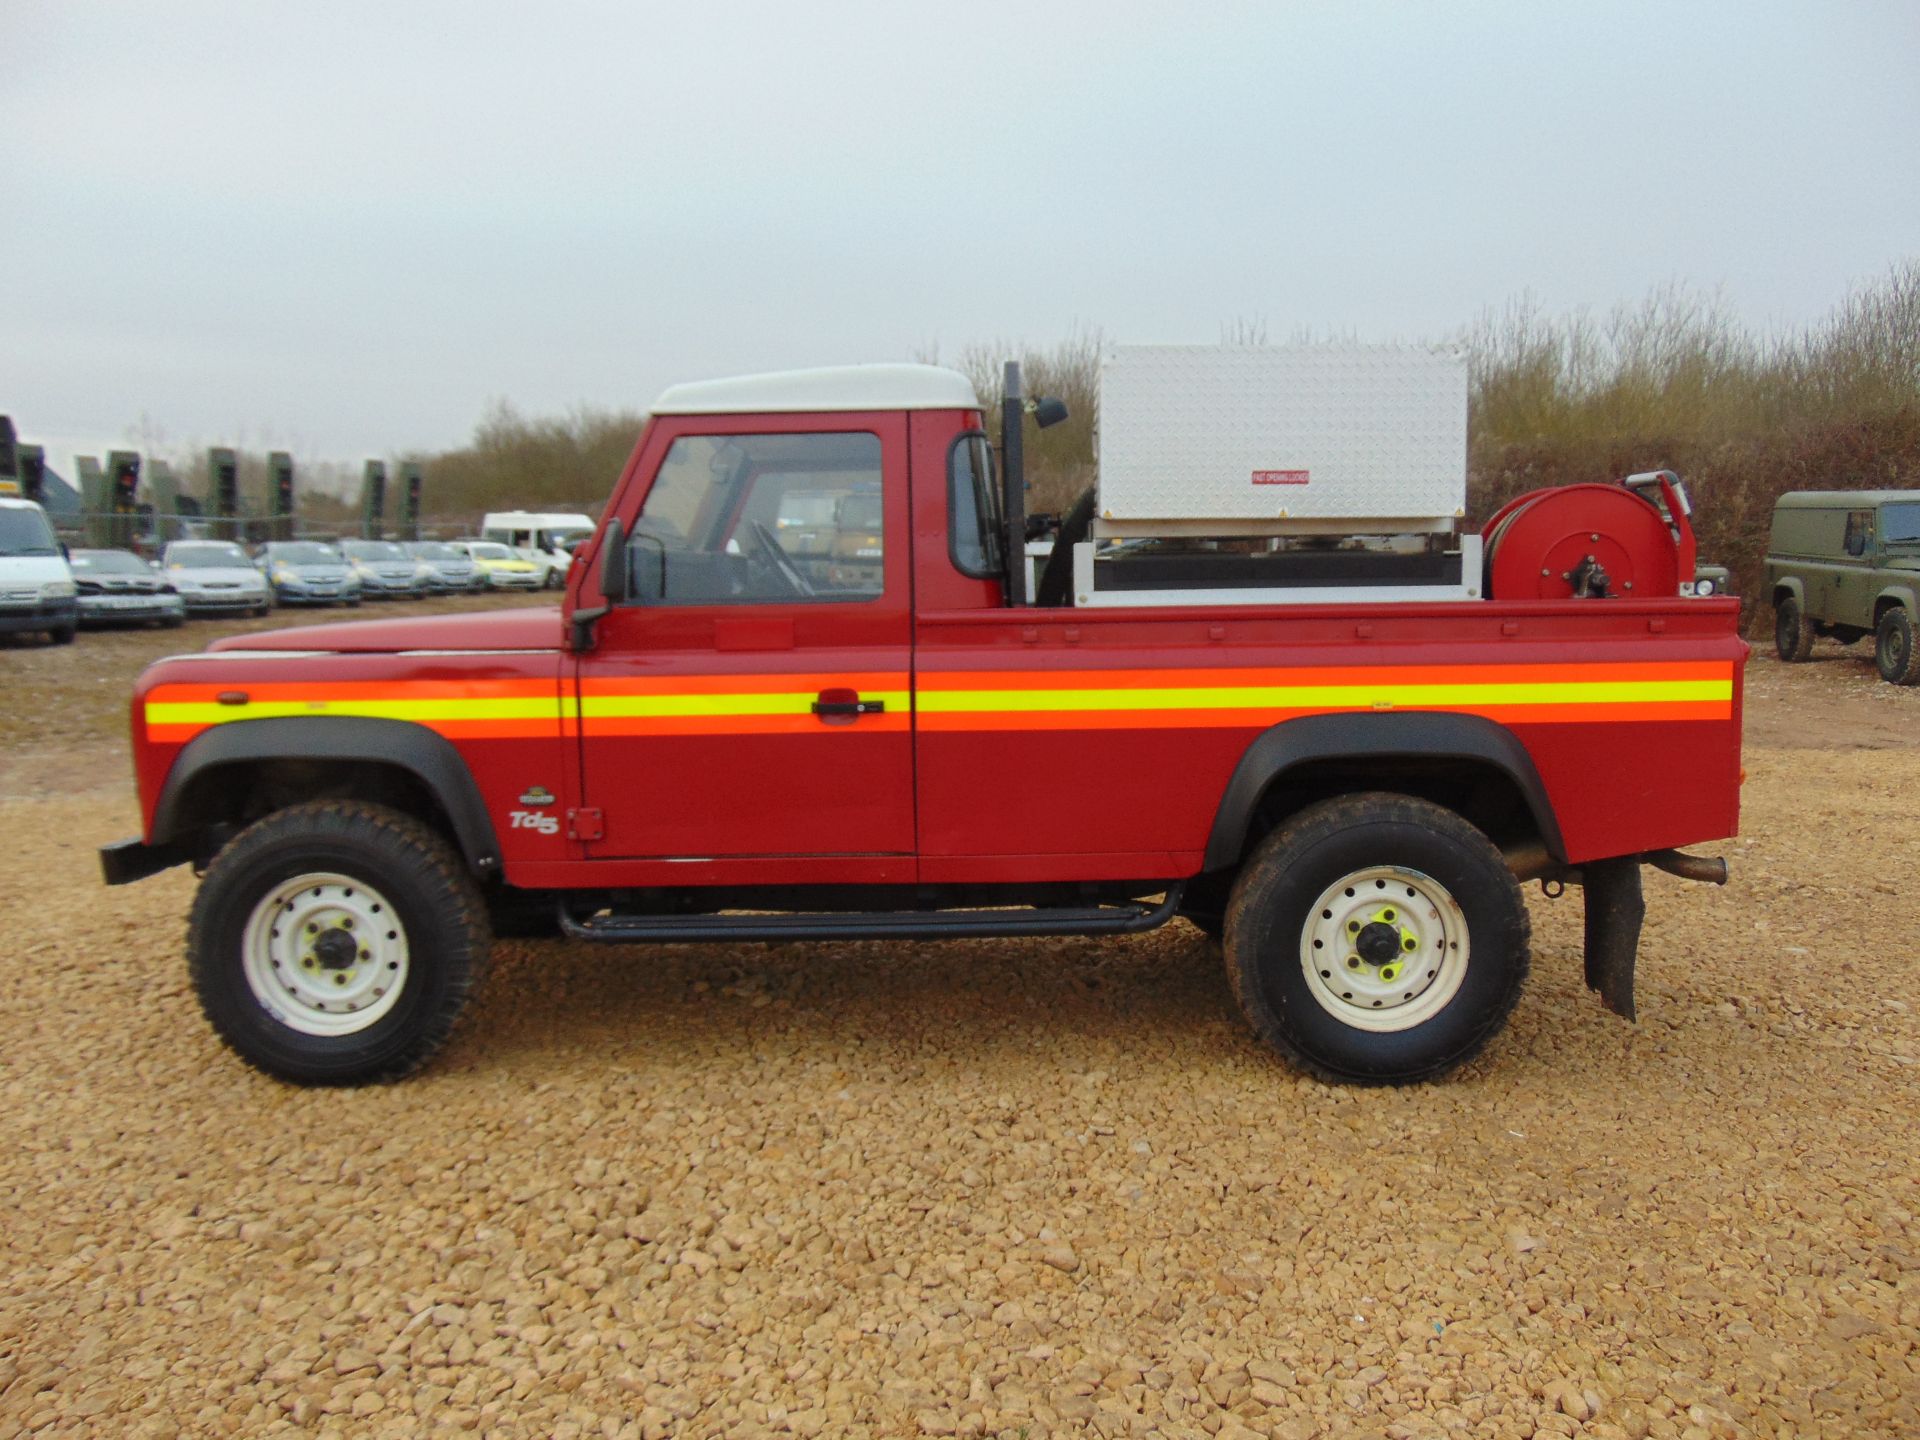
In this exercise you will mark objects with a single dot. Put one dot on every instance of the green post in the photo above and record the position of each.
(373, 501)
(163, 489)
(411, 481)
(123, 480)
(96, 500)
(280, 488)
(223, 492)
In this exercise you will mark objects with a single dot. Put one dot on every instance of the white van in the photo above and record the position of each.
(36, 587)
(545, 539)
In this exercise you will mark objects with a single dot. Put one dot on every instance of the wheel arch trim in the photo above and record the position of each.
(429, 757)
(1411, 734)
(1901, 595)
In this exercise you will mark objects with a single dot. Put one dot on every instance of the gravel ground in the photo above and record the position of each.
(1005, 1188)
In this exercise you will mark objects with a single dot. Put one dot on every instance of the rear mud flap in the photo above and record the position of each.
(1615, 910)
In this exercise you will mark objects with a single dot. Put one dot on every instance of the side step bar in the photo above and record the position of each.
(875, 925)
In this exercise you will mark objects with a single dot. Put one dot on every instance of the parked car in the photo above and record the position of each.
(306, 572)
(36, 587)
(215, 577)
(447, 569)
(504, 570)
(1846, 564)
(544, 539)
(385, 570)
(117, 587)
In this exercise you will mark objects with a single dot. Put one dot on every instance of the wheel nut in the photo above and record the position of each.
(1353, 962)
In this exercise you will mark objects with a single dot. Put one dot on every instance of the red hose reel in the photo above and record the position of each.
(1593, 542)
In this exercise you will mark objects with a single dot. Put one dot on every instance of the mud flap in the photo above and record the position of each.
(1615, 910)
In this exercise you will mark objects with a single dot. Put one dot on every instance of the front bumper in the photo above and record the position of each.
(222, 602)
(44, 615)
(515, 582)
(305, 592)
(372, 586)
(114, 609)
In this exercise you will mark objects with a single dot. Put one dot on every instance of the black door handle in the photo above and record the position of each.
(849, 707)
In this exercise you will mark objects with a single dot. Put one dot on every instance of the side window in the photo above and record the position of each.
(973, 508)
(1859, 531)
(758, 519)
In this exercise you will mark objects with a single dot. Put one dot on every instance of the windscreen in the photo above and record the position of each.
(26, 532)
(436, 550)
(304, 552)
(376, 550)
(207, 557)
(108, 562)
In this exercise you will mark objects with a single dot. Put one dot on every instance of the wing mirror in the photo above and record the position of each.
(613, 562)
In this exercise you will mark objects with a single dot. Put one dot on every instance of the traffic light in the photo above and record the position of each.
(373, 500)
(33, 473)
(410, 501)
(123, 478)
(280, 481)
(223, 484)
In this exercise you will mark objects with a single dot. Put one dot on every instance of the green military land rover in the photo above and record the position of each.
(1846, 563)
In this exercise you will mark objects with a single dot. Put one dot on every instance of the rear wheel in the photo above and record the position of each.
(1894, 651)
(1376, 939)
(1792, 632)
(335, 943)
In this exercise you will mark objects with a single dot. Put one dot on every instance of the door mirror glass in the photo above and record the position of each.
(613, 562)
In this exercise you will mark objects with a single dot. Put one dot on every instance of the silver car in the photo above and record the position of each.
(385, 570)
(117, 587)
(215, 577)
(449, 570)
(305, 572)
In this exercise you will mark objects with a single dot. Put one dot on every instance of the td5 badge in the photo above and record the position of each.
(531, 818)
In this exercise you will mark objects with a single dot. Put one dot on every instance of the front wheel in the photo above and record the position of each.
(1376, 939)
(62, 634)
(1792, 631)
(1894, 652)
(334, 943)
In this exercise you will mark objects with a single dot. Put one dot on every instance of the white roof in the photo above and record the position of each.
(838, 387)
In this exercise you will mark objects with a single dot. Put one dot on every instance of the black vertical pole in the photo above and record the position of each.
(1013, 409)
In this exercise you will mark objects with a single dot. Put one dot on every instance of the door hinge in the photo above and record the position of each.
(586, 825)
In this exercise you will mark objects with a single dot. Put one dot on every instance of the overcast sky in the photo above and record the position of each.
(343, 227)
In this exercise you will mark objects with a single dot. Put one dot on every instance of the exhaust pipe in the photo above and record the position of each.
(1708, 869)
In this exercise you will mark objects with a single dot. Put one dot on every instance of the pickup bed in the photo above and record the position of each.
(711, 739)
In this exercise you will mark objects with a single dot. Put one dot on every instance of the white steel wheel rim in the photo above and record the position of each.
(1366, 990)
(325, 954)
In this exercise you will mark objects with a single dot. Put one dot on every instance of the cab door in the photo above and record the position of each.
(744, 700)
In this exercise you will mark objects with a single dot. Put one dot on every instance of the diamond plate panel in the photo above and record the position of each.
(1204, 433)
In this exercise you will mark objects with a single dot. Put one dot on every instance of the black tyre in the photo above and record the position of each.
(1376, 939)
(1792, 631)
(335, 943)
(1894, 651)
(62, 635)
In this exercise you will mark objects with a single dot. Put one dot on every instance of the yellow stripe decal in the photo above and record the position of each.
(1294, 697)
(607, 707)
(161, 712)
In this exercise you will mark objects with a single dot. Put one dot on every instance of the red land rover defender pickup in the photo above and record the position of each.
(714, 740)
